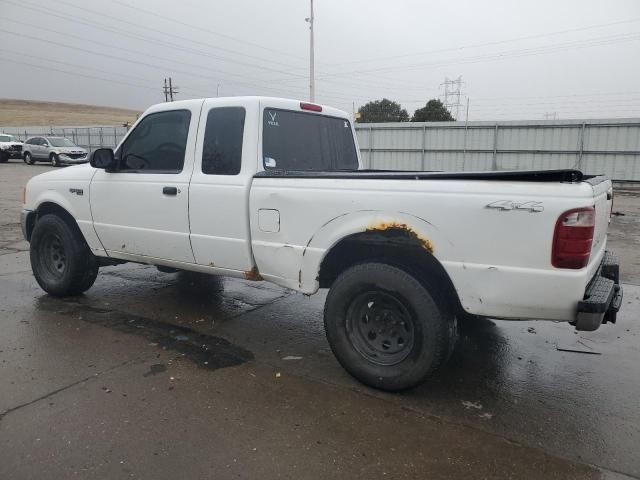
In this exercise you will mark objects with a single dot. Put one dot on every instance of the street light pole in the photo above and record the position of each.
(312, 80)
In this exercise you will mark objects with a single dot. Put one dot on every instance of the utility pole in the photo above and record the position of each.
(169, 90)
(467, 115)
(172, 90)
(218, 90)
(452, 93)
(312, 80)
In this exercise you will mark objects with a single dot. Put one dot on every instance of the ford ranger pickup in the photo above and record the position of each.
(273, 189)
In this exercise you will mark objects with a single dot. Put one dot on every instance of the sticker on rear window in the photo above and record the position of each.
(273, 122)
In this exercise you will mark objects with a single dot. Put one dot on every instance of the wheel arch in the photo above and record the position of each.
(49, 207)
(393, 246)
(397, 238)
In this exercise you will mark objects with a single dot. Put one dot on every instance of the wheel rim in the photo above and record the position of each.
(380, 327)
(53, 255)
(27, 158)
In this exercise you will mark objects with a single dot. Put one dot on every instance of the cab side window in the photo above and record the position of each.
(222, 148)
(157, 144)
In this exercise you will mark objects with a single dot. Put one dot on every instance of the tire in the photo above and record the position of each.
(61, 260)
(28, 158)
(386, 328)
(4, 157)
(55, 160)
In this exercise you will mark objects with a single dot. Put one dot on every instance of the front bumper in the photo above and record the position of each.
(24, 223)
(73, 161)
(13, 153)
(603, 296)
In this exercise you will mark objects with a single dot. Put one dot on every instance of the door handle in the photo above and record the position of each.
(169, 190)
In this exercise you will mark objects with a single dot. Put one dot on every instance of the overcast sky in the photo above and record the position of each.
(518, 59)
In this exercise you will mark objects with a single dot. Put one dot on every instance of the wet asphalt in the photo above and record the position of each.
(155, 375)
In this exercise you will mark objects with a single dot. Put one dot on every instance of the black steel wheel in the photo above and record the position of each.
(53, 255)
(380, 327)
(385, 327)
(61, 261)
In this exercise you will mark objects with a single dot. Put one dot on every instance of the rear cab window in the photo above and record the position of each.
(305, 141)
(222, 146)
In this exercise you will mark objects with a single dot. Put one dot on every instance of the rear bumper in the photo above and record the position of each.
(603, 296)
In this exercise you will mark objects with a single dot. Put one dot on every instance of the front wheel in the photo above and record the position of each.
(385, 327)
(61, 261)
(4, 157)
(55, 160)
(28, 158)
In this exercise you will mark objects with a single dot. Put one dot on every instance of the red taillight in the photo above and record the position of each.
(572, 238)
(310, 106)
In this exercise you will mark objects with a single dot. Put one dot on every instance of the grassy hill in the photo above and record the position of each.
(20, 113)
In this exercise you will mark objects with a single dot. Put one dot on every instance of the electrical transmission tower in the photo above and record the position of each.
(452, 94)
(169, 90)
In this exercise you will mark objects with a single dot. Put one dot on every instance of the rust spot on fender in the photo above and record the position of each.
(404, 230)
(253, 274)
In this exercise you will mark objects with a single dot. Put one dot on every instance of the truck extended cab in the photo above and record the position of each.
(272, 189)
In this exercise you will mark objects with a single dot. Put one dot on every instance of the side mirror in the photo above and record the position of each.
(102, 158)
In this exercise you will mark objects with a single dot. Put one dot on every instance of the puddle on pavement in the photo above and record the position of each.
(207, 351)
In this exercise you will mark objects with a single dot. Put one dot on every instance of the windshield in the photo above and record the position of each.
(7, 138)
(61, 142)
(307, 141)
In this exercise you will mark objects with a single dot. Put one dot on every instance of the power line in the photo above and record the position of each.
(498, 56)
(127, 33)
(161, 67)
(119, 31)
(196, 27)
(136, 62)
(486, 44)
(77, 74)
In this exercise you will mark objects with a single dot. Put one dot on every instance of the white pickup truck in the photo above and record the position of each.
(272, 189)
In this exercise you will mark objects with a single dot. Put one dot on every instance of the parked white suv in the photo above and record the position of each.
(272, 189)
(57, 150)
(10, 147)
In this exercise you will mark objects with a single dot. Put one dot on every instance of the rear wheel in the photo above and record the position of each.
(28, 158)
(55, 160)
(61, 260)
(385, 327)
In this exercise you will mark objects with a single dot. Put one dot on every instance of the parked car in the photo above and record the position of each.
(57, 150)
(272, 189)
(10, 147)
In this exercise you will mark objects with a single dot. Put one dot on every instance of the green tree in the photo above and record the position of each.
(433, 111)
(382, 111)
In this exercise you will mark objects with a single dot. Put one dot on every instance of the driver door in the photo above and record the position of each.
(141, 209)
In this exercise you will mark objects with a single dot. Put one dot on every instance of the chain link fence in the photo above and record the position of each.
(89, 138)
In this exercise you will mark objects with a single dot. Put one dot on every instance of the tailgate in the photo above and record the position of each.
(602, 200)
